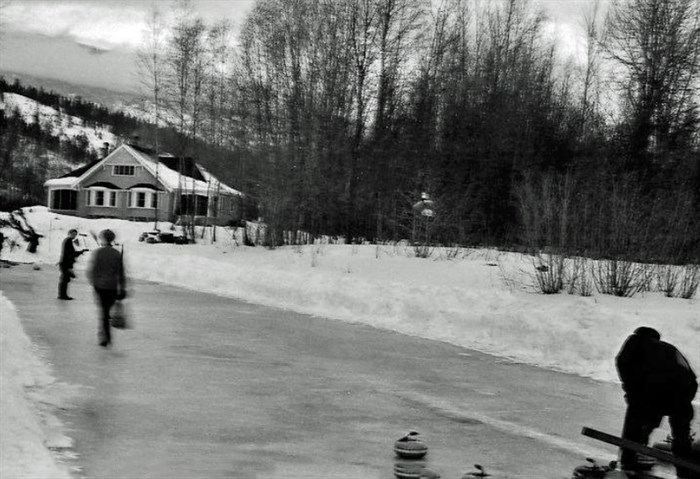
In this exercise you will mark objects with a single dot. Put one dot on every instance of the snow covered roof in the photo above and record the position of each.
(215, 183)
(202, 183)
(63, 182)
(171, 180)
(70, 179)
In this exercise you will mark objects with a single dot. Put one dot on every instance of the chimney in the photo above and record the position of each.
(104, 151)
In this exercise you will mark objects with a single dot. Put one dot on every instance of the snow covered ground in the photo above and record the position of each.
(28, 394)
(481, 299)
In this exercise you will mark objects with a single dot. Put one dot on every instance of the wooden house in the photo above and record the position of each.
(132, 183)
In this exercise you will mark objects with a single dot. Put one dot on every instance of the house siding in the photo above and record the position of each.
(121, 157)
(122, 208)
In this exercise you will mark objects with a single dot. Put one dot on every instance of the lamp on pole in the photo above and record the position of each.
(425, 207)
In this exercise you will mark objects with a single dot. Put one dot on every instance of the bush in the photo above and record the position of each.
(667, 279)
(579, 279)
(689, 282)
(620, 278)
(423, 250)
(549, 272)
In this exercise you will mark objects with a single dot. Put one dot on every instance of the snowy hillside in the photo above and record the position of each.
(60, 124)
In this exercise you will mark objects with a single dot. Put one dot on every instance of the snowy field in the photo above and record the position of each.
(479, 299)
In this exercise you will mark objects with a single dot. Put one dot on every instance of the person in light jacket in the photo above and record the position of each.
(106, 274)
(658, 381)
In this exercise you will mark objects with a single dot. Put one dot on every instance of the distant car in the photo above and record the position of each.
(150, 236)
(163, 237)
(173, 238)
(166, 237)
(181, 239)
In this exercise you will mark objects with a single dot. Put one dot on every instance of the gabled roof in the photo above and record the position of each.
(79, 172)
(189, 167)
(164, 168)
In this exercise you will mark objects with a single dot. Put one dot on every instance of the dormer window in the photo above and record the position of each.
(123, 170)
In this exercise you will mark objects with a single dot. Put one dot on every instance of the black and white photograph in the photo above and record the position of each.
(349, 239)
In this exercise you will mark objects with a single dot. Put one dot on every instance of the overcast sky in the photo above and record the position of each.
(92, 42)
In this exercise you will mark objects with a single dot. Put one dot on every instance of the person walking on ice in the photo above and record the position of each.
(106, 274)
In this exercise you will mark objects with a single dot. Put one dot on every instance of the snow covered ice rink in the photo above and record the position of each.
(480, 301)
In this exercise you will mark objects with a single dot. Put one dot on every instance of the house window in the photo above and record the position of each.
(105, 198)
(193, 204)
(64, 199)
(143, 199)
(214, 210)
(123, 170)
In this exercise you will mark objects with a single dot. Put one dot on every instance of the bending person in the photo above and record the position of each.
(658, 381)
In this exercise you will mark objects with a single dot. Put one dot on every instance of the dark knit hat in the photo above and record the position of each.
(648, 332)
(108, 235)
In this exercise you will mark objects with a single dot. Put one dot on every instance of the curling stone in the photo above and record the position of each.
(410, 447)
(665, 446)
(408, 470)
(414, 470)
(478, 472)
(593, 470)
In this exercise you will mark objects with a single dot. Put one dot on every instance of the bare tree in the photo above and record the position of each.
(150, 64)
(364, 19)
(186, 69)
(591, 77)
(657, 44)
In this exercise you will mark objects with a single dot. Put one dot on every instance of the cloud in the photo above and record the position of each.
(568, 38)
(101, 26)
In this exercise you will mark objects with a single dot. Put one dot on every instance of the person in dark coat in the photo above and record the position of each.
(106, 274)
(68, 257)
(658, 381)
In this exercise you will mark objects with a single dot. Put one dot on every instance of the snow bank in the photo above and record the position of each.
(464, 301)
(24, 380)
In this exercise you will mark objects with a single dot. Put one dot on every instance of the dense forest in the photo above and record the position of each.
(337, 115)
(342, 113)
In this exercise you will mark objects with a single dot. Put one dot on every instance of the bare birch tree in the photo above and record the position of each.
(657, 44)
(150, 67)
